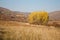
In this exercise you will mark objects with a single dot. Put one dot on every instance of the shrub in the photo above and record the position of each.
(38, 17)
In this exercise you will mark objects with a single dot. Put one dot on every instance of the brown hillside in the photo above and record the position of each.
(8, 15)
(54, 15)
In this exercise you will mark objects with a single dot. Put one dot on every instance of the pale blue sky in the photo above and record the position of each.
(31, 5)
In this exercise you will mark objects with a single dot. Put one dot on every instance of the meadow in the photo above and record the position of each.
(12, 30)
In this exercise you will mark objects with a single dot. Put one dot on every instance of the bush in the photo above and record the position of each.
(38, 17)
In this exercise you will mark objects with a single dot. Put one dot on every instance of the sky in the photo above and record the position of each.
(31, 5)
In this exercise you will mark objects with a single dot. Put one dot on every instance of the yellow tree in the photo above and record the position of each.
(38, 17)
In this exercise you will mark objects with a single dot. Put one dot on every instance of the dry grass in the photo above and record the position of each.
(10, 30)
(54, 23)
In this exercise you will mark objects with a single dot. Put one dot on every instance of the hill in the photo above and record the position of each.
(8, 15)
(54, 15)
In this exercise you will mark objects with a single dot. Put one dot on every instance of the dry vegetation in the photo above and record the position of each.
(54, 23)
(12, 30)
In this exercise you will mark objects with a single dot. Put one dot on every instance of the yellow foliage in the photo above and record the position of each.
(38, 17)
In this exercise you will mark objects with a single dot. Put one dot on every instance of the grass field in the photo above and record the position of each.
(12, 30)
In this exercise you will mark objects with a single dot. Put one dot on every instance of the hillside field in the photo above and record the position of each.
(12, 30)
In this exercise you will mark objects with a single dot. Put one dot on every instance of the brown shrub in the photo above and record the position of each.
(53, 23)
(56, 24)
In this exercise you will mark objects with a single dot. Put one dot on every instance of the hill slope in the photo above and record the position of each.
(6, 14)
(54, 15)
